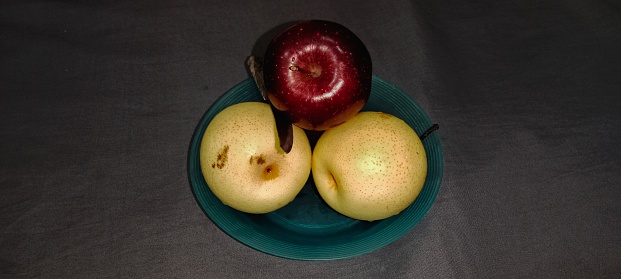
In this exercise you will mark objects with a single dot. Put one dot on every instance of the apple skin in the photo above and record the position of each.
(318, 72)
(243, 164)
(370, 167)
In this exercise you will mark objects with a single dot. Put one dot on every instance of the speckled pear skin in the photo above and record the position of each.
(243, 164)
(370, 167)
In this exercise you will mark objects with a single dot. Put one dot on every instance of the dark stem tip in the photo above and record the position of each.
(431, 129)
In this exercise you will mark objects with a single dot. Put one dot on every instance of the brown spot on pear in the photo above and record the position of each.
(270, 172)
(258, 159)
(261, 160)
(222, 157)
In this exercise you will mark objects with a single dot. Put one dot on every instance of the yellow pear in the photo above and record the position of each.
(370, 167)
(243, 164)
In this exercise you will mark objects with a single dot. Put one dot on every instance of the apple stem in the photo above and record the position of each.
(431, 129)
(298, 69)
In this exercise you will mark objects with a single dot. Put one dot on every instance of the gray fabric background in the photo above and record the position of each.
(99, 100)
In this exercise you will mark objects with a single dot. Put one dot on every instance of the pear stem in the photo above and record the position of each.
(431, 129)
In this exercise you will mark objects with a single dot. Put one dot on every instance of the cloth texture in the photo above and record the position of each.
(99, 101)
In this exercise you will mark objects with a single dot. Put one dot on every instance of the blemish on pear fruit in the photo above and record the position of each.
(223, 156)
(270, 172)
(259, 159)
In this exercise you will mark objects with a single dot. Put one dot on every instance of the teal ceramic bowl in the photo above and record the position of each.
(308, 229)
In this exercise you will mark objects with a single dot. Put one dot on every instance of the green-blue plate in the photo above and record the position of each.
(307, 229)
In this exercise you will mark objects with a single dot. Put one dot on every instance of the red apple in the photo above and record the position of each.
(318, 73)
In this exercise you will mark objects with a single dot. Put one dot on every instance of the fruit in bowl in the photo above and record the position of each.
(317, 72)
(242, 162)
(301, 236)
(370, 167)
(317, 75)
